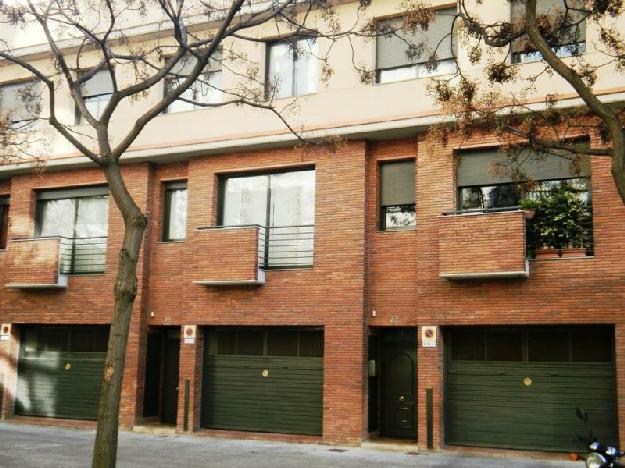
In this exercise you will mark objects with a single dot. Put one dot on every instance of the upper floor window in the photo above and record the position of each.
(96, 92)
(283, 204)
(490, 179)
(206, 89)
(4, 221)
(292, 67)
(175, 212)
(397, 195)
(404, 54)
(80, 218)
(565, 30)
(21, 102)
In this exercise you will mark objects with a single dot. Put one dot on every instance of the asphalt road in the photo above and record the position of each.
(24, 445)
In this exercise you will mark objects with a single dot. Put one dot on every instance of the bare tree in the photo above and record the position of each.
(87, 38)
(498, 98)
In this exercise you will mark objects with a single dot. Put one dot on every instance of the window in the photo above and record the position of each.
(402, 55)
(21, 102)
(588, 343)
(566, 32)
(175, 212)
(96, 92)
(4, 221)
(206, 89)
(284, 204)
(80, 218)
(292, 67)
(397, 195)
(62, 339)
(284, 342)
(490, 179)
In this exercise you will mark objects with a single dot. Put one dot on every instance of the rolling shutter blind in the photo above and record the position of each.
(73, 193)
(577, 32)
(99, 84)
(393, 49)
(484, 167)
(397, 181)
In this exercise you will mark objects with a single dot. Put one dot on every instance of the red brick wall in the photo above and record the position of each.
(492, 243)
(33, 261)
(229, 254)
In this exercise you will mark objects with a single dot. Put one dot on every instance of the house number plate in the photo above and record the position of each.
(265, 373)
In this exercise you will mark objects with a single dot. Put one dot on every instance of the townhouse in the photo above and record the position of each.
(386, 288)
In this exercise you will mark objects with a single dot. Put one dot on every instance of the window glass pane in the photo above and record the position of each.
(81, 340)
(177, 221)
(467, 346)
(592, 346)
(91, 233)
(292, 211)
(208, 88)
(306, 67)
(92, 217)
(100, 339)
(180, 105)
(250, 343)
(54, 339)
(282, 343)
(226, 342)
(311, 343)
(30, 341)
(4, 222)
(551, 346)
(397, 217)
(57, 218)
(504, 346)
(397, 74)
(280, 70)
(245, 200)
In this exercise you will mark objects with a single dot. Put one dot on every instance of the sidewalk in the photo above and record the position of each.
(24, 445)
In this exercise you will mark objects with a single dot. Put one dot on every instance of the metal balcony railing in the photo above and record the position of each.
(83, 255)
(286, 246)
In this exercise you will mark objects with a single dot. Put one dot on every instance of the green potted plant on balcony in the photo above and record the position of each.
(561, 224)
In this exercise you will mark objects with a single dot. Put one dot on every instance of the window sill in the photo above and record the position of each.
(408, 229)
(294, 96)
(584, 257)
(176, 241)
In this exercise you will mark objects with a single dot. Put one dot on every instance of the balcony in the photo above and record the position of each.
(240, 255)
(45, 262)
(482, 244)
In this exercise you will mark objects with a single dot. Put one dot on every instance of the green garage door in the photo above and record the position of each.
(266, 380)
(520, 388)
(60, 371)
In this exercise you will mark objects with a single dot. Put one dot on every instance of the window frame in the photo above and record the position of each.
(561, 50)
(221, 194)
(43, 196)
(21, 124)
(168, 188)
(382, 207)
(292, 40)
(207, 70)
(98, 97)
(420, 68)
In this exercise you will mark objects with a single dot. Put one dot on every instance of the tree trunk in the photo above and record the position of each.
(105, 446)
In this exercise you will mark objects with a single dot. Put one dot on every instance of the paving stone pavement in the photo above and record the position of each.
(23, 445)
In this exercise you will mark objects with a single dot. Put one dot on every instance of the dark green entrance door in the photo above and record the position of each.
(519, 387)
(264, 380)
(60, 371)
(398, 384)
